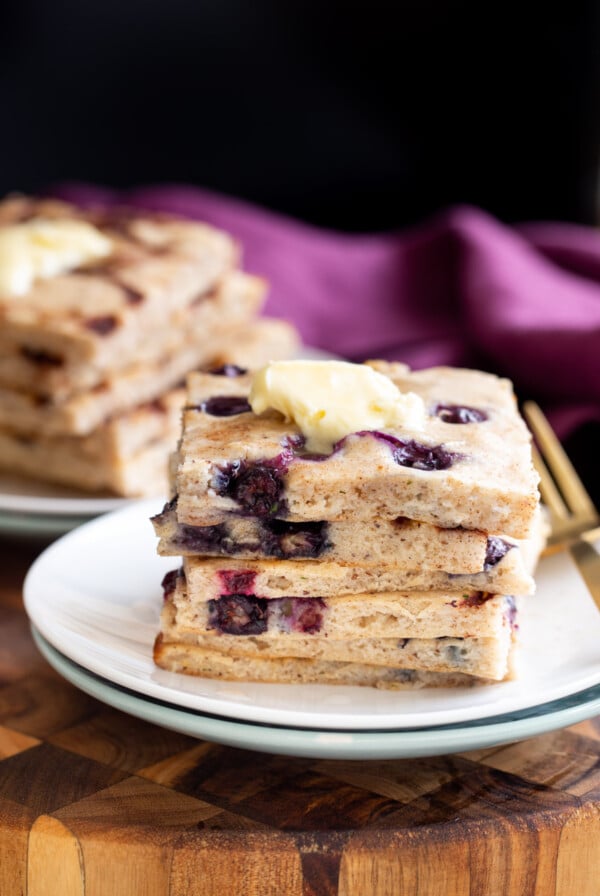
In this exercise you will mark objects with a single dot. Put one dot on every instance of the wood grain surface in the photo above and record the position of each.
(96, 803)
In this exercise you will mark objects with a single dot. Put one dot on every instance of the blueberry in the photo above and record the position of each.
(404, 675)
(268, 543)
(257, 487)
(455, 654)
(238, 614)
(201, 539)
(102, 325)
(474, 599)
(132, 296)
(408, 453)
(39, 356)
(156, 406)
(301, 614)
(169, 582)
(293, 445)
(456, 413)
(225, 405)
(511, 611)
(423, 457)
(308, 614)
(307, 539)
(237, 581)
(496, 549)
(228, 370)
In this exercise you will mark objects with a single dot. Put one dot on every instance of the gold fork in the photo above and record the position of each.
(573, 517)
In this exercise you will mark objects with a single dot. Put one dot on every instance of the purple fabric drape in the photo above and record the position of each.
(461, 289)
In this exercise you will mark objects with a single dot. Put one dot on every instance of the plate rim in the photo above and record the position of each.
(35, 525)
(45, 505)
(318, 743)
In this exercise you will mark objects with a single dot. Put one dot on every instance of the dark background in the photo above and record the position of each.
(359, 116)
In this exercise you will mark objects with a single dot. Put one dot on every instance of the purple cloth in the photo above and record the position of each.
(461, 289)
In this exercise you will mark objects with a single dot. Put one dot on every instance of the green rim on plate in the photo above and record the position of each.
(36, 525)
(331, 744)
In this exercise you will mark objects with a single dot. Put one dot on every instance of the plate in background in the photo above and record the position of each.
(19, 494)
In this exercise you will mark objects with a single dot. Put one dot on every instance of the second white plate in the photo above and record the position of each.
(332, 744)
(95, 595)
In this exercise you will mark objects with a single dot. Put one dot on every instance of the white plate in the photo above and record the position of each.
(21, 495)
(32, 525)
(332, 744)
(95, 596)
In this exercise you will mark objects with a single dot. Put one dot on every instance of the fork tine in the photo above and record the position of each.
(549, 492)
(564, 473)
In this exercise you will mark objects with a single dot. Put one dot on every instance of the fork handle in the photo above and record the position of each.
(587, 560)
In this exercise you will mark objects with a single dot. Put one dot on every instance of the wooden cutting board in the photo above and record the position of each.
(96, 803)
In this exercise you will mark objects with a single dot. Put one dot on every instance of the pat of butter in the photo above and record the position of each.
(327, 400)
(44, 248)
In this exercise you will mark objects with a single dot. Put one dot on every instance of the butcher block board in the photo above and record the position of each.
(94, 802)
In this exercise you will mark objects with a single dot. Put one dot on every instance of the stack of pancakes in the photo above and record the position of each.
(395, 561)
(92, 361)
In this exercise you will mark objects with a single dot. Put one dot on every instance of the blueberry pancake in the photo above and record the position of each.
(123, 297)
(339, 524)
(400, 543)
(280, 578)
(210, 330)
(103, 313)
(418, 614)
(468, 465)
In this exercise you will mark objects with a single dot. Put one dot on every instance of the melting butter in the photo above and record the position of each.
(44, 248)
(327, 400)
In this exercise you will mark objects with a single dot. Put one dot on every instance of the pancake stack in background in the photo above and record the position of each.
(102, 315)
(395, 559)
